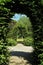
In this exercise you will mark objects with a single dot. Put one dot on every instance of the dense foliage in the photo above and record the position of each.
(28, 41)
(33, 9)
(3, 54)
(11, 42)
(3, 50)
(23, 28)
(20, 29)
(3, 32)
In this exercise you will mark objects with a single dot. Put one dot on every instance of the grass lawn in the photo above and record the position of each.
(20, 40)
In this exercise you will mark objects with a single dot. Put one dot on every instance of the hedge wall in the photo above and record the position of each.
(4, 54)
(35, 12)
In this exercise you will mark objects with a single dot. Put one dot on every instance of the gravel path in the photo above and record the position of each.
(20, 55)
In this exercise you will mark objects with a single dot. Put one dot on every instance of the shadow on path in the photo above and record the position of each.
(27, 56)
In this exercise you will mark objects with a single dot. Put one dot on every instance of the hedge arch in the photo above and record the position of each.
(33, 9)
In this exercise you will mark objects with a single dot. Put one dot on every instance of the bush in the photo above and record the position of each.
(28, 41)
(3, 54)
(39, 52)
(11, 42)
(40, 55)
(40, 59)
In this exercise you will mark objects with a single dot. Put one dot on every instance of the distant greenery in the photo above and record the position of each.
(19, 30)
(11, 42)
(23, 28)
(20, 40)
(28, 41)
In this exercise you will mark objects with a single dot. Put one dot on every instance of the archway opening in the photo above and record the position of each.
(20, 29)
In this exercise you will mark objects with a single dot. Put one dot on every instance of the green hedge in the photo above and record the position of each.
(39, 52)
(40, 55)
(3, 54)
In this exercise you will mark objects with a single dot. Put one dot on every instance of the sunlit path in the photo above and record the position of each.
(21, 55)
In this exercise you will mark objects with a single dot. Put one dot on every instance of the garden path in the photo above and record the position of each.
(21, 55)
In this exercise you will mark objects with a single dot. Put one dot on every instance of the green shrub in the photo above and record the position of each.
(40, 55)
(11, 42)
(4, 55)
(41, 63)
(28, 41)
